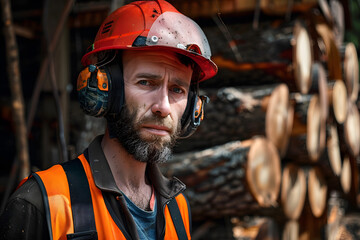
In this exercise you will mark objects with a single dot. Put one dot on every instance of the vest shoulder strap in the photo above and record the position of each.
(81, 202)
(177, 219)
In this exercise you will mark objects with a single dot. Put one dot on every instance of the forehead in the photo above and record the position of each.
(155, 61)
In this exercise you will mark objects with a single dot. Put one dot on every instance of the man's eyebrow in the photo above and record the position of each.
(152, 76)
(182, 83)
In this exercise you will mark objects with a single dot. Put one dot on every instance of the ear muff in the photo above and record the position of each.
(101, 90)
(193, 114)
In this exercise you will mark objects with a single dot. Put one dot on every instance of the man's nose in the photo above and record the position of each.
(161, 106)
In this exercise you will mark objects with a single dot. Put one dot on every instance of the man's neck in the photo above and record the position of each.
(128, 173)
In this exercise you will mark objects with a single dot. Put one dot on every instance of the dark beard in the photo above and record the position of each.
(124, 130)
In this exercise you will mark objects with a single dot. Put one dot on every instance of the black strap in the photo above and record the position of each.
(81, 201)
(46, 203)
(177, 220)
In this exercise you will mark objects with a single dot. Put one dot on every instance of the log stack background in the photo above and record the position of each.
(294, 89)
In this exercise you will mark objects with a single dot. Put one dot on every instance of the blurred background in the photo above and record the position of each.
(277, 156)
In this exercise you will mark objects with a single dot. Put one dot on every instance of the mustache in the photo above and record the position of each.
(157, 120)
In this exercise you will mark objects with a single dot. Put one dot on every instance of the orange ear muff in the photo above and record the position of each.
(198, 113)
(93, 91)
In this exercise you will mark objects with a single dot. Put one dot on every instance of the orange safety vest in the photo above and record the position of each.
(58, 208)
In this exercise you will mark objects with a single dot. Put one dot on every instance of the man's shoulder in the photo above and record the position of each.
(29, 192)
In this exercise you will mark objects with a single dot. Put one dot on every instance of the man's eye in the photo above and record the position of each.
(143, 82)
(177, 90)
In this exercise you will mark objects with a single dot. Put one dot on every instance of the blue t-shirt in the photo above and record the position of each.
(145, 221)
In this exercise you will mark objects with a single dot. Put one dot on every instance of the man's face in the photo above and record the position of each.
(156, 90)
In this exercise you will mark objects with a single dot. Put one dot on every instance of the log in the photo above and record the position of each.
(229, 180)
(293, 191)
(331, 54)
(232, 114)
(309, 130)
(279, 117)
(350, 65)
(330, 162)
(317, 191)
(346, 175)
(350, 179)
(319, 86)
(263, 174)
(291, 230)
(269, 55)
(333, 150)
(337, 12)
(338, 100)
(324, 47)
(352, 129)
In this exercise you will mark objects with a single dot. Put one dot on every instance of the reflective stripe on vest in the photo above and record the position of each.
(57, 188)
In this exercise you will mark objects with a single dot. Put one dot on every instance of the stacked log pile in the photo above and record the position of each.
(281, 134)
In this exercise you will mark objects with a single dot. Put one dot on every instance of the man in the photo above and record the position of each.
(141, 74)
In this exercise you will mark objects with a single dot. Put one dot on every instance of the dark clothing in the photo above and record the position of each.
(24, 216)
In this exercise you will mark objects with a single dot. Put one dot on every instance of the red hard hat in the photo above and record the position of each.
(156, 25)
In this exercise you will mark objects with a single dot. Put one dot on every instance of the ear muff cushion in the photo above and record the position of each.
(186, 126)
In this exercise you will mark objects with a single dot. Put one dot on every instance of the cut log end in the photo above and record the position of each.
(345, 178)
(351, 71)
(333, 150)
(279, 118)
(316, 129)
(352, 129)
(319, 86)
(263, 172)
(317, 191)
(293, 191)
(291, 231)
(339, 101)
(303, 58)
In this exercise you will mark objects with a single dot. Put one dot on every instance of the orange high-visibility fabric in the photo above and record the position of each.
(57, 189)
(170, 232)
